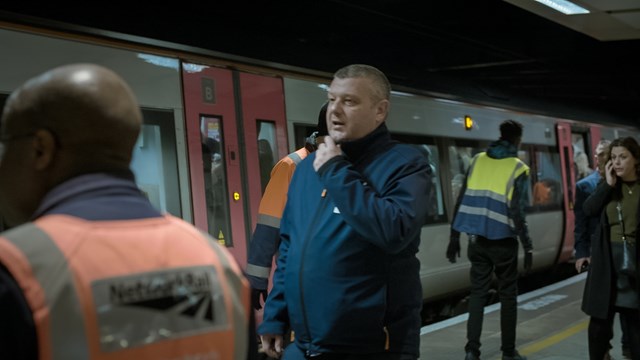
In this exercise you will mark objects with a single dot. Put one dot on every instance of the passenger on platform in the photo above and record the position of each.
(491, 211)
(612, 287)
(587, 226)
(89, 268)
(266, 237)
(347, 278)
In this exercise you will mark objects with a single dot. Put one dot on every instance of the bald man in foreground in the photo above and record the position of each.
(89, 269)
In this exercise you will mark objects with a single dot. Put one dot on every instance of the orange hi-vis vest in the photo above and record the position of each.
(153, 288)
(266, 236)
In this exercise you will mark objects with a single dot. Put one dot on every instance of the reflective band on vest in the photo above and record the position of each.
(484, 209)
(298, 155)
(269, 220)
(148, 288)
(259, 271)
(60, 311)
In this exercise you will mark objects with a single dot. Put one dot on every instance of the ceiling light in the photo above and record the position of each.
(565, 7)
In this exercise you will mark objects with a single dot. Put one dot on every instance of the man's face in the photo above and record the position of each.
(353, 112)
(599, 157)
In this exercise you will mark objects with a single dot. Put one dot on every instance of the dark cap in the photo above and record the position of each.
(322, 121)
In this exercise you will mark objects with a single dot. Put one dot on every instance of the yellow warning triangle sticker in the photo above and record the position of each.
(221, 238)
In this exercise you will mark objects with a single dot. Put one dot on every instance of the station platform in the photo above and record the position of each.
(551, 326)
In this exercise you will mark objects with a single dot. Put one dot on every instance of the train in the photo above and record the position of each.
(215, 124)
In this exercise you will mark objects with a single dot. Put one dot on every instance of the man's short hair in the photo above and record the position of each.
(511, 131)
(381, 85)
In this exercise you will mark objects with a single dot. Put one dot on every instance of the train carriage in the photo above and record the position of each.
(215, 124)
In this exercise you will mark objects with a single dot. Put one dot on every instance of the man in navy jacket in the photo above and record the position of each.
(347, 280)
(585, 225)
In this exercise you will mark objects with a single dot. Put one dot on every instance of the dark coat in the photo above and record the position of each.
(599, 289)
(586, 226)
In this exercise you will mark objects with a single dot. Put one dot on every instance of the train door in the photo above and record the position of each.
(565, 148)
(264, 129)
(584, 140)
(214, 157)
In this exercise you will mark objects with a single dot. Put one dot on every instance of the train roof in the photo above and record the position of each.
(509, 53)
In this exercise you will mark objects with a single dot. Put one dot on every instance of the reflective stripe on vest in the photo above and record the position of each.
(50, 292)
(149, 288)
(298, 155)
(484, 209)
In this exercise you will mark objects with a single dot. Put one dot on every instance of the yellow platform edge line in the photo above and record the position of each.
(552, 340)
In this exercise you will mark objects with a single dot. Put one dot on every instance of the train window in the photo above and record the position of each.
(581, 158)
(546, 178)
(215, 178)
(460, 156)
(435, 200)
(155, 163)
(3, 99)
(267, 150)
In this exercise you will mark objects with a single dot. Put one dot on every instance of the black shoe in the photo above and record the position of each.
(516, 356)
(471, 356)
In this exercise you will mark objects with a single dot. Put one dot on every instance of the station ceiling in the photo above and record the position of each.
(511, 52)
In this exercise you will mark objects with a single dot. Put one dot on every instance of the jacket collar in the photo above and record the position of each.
(87, 185)
(502, 149)
(371, 143)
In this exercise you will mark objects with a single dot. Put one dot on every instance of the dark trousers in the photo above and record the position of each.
(624, 340)
(292, 352)
(488, 257)
(601, 331)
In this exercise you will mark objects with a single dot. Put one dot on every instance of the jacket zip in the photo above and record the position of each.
(323, 205)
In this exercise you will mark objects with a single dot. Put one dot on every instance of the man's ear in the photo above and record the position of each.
(382, 110)
(45, 148)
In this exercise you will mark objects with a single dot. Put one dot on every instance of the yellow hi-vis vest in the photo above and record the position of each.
(484, 209)
(153, 288)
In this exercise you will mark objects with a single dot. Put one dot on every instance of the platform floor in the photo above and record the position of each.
(551, 326)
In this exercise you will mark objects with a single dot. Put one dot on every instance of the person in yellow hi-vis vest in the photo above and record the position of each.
(490, 209)
(89, 269)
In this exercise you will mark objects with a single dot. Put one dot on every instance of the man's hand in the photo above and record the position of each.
(255, 298)
(326, 151)
(582, 264)
(528, 260)
(272, 345)
(454, 248)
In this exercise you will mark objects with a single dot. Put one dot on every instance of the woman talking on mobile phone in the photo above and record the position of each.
(612, 286)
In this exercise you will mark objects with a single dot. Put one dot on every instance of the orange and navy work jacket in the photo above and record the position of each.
(266, 237)
(152, 288)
